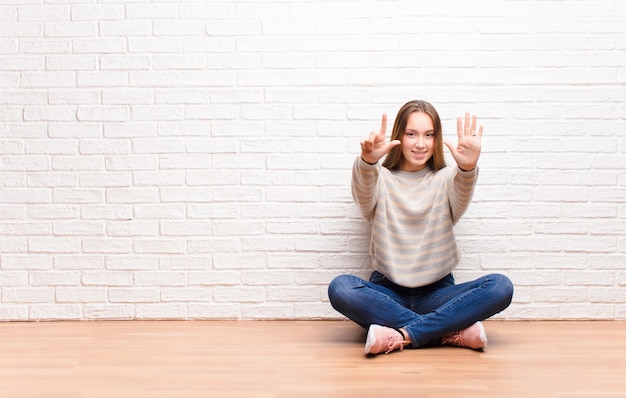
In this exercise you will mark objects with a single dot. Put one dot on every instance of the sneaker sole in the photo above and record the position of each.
(483, 334)
(371, 338)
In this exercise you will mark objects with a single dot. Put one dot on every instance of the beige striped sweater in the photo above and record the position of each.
(412, 215)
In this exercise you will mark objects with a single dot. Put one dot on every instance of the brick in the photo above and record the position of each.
(82, 262)
(13, 278)
(587, 311)
(161, 311)
(78, 63)
(80, 228)
(104, 179)
(22, 228)
(268, 244)
(21, 163)
(293, 294)
(159, 278)
(99, 46)
(156, 211)
(218, 311)
(185, 294)
(238, 261)
(131, 264)
(108, 312)
(180, 96)
(131, 195)
(237, 228)
(264, 278)
(159, 246)
(239, 194)
(28, 295)
(268, 311)
(102, 114)
(75, 29)
(132, 228)
(106, 278)
(86, 196)
(64, 130)
(316, 311)
(80, 294)
(14, 312)
(39, 312)
(239, 294)
(117, 96)
(214, 245)
(133, 295)
(106, 246)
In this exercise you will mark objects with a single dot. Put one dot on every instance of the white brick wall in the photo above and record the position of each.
(191, 159)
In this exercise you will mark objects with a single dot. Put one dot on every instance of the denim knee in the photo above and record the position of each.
(504, 288)
(339, 289)
(337, 285)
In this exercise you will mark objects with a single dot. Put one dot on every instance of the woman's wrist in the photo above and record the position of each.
(468, 169)
(371, 164)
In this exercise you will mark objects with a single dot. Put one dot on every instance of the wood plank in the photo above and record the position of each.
(304, 359)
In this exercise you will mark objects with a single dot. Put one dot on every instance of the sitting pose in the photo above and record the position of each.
(412, 202)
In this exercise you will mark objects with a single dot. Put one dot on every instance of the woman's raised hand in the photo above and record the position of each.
(374, 147)
(467, 150)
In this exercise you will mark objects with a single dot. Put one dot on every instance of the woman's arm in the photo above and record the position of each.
(364, 182)
(460, 191)
(466, 153)
(365, 170)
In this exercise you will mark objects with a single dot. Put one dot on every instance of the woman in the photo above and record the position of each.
(412, 201)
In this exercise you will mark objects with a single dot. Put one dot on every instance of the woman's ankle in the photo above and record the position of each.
(405, 335)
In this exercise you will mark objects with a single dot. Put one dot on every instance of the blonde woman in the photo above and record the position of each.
(412, 201)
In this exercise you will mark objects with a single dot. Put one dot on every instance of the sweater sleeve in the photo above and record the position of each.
(364, 186)
(460, 191)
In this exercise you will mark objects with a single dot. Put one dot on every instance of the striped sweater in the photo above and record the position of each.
(412, 215)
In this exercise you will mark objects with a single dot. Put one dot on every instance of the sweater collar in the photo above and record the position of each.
(412, 174)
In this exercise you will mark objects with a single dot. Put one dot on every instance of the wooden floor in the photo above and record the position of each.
(304, 359)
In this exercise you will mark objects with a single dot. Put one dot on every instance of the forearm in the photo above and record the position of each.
(461, 191)
(364, 180)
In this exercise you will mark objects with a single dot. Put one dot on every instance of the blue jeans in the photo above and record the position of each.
(426, 313)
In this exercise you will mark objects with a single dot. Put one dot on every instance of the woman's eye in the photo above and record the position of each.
(410, 134)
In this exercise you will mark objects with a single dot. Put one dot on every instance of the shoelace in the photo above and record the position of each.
(453, 339)
(395, 343)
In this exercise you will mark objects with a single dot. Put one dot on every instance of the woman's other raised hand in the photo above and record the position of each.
(374, 145)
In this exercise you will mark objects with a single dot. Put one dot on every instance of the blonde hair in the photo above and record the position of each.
(394, 157)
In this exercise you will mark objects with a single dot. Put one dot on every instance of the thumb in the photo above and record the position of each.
(450, 146)
(392, 144)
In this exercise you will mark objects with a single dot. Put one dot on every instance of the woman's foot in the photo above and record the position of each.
(473, 337)
(383, 339)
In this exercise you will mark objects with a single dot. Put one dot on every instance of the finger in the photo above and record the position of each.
(383, 125)
(367, 146)
(467, 123)
(473, 128)
(392, 144)
(371, 137)
(388, 146)
(374, 138)
(449, 145)
(368, 142)
(480, 131)
(459, 127)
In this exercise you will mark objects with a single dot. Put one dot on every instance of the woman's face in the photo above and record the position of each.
(418, 142)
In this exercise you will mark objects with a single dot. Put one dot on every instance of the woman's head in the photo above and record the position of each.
(418, 127)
